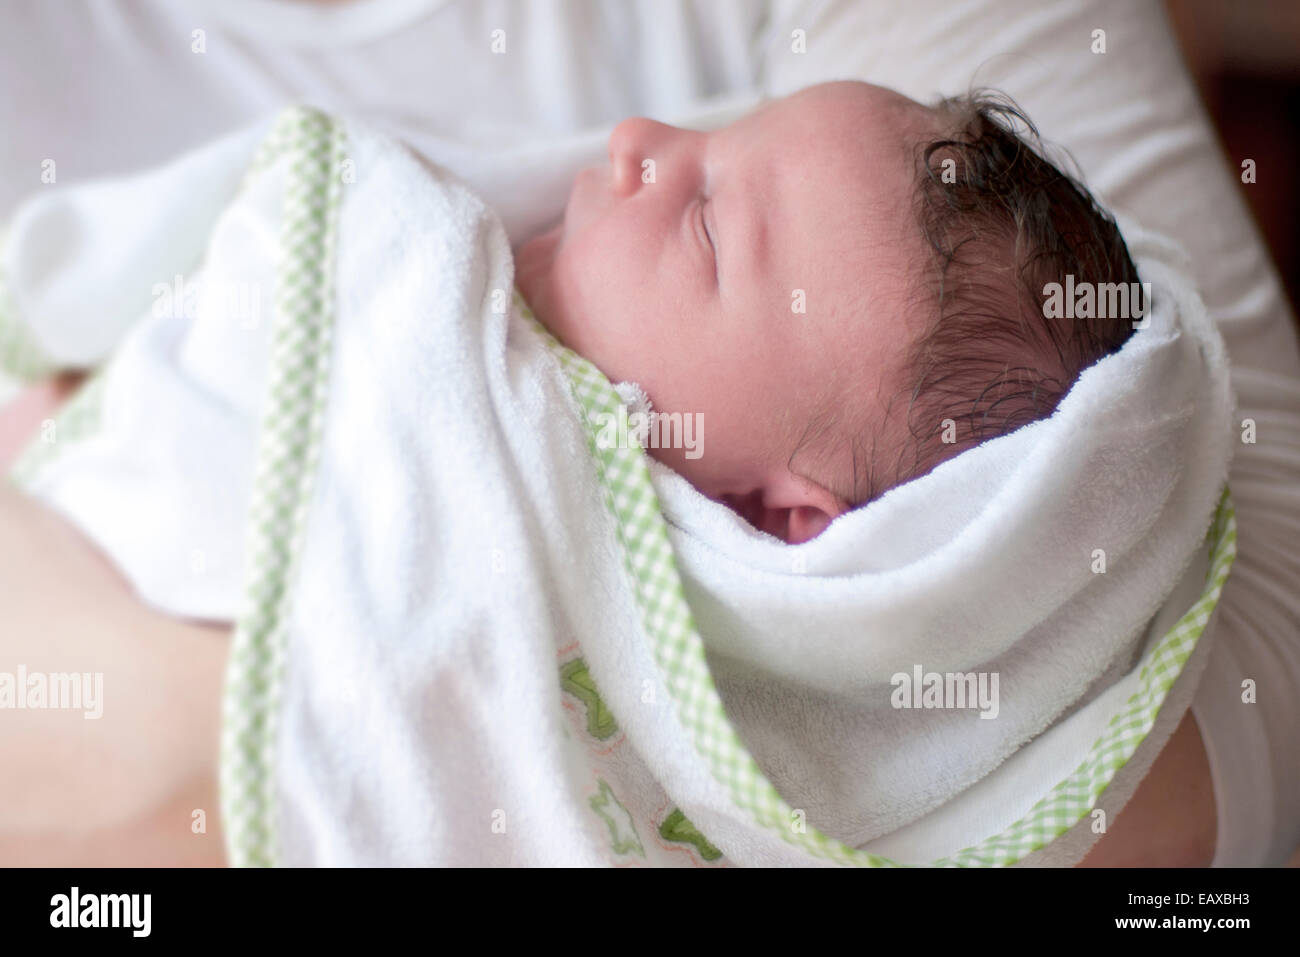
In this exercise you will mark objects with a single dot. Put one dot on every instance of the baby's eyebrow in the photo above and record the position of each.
(752, 226)
(748, 224)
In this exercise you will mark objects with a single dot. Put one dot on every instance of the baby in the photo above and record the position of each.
(848, 286)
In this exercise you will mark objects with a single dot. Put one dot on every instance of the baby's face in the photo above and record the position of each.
(759, 276)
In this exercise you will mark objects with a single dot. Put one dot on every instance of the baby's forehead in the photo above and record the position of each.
(853, 137)
(840, 211)
(842, 257)
(855, 104)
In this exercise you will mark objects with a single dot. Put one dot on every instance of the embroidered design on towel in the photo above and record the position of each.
(623, 837)
(677, 829)
(577, 681)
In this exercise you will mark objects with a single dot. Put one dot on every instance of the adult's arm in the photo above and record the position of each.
(136, 785)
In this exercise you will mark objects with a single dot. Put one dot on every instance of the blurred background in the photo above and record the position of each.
(1245, 58)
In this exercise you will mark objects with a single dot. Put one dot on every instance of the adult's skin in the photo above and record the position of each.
(122, 789)
(125, 789)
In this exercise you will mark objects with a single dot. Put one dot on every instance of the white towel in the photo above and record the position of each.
(475, 646)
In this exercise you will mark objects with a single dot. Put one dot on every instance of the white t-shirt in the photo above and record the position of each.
(108, 88)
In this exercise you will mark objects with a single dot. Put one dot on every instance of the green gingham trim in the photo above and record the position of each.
(1075, 796)
(22, 362)
(288, 448)
(679, 653)
(78, 419)
(21, 359)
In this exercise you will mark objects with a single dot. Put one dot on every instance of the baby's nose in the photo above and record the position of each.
(631, 144)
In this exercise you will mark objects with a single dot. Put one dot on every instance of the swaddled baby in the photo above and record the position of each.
(849, 288)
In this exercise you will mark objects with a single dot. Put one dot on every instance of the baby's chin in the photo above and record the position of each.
(534, 264)
(535, 258)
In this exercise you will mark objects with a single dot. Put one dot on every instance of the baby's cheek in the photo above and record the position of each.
(732, 423)
(600, 328)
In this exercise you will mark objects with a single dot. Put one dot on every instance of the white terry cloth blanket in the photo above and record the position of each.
(463, 630)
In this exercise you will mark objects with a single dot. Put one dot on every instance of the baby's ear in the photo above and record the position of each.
(790, 507)
(806, 522)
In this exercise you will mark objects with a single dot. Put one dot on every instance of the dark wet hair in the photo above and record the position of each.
(1000, 222)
